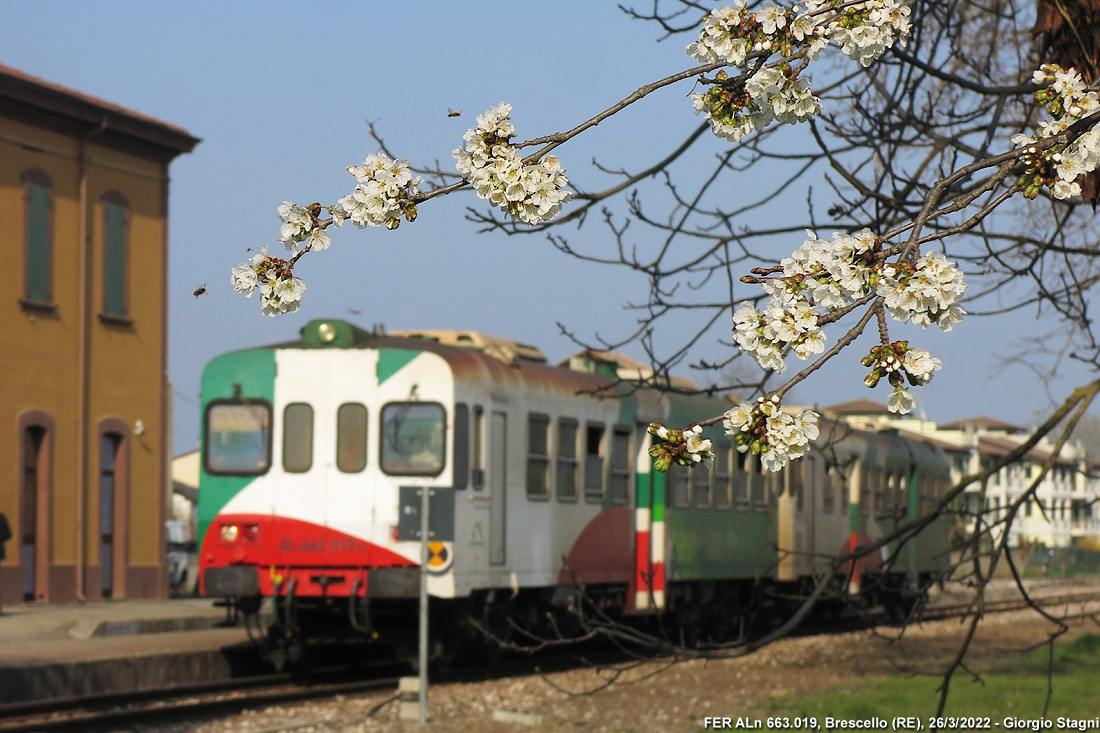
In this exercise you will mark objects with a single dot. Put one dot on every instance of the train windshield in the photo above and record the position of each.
(238, 438)
(412, 438)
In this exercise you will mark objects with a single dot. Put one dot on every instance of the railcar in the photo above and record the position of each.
(314, 453)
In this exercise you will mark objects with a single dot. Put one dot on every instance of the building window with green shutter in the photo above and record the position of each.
(38, 239)
(116, 244)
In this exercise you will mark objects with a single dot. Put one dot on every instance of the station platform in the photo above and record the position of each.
(49, 651)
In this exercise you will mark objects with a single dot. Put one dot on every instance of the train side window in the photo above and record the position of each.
(828, 496)
(297, 437)
(461, 450)
(741, 483)
(351, 437)
(477, 453)
(774, 484)
(875, 479)
(864, 497)
(796, 472)
(593, 462)
(758, 484)
(412, 438)
(722, 476)
(237, 440)
(700, 485)
(620, 465)
(566, 473)
(925, 500)
(538, 456)
(678, 489)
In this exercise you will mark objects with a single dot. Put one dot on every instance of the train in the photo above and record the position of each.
(315, 454)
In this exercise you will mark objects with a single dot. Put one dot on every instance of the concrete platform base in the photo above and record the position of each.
(87, 677)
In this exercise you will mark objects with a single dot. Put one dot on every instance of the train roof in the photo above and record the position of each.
(478, 357)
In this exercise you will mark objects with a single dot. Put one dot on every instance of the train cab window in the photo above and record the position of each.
(412, 438)
(566, 471)
(593, 462)
(477, 450)
(828, 495)
(538, 456)
(238, 438)
(678, 487)
(461, 448)
(351, 437)
(620, 465)
(700, 485)
(722, 484)
(297, 437)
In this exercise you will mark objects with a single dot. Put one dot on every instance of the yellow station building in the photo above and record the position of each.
(84, 451)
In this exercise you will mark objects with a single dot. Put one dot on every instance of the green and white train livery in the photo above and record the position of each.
(314, 452)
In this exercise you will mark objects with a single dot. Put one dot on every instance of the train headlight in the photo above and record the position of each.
(326, 332)
(230, 532)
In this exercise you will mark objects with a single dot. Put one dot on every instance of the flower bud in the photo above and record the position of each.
(872, 378)
(393, 223)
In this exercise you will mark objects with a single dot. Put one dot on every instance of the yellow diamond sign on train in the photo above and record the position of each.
(439, 556)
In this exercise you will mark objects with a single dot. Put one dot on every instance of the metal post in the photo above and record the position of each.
(423, 660)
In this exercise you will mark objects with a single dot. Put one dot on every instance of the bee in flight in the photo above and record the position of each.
(452, 113)
(201, 290)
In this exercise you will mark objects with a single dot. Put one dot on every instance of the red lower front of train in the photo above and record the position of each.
(260, 554)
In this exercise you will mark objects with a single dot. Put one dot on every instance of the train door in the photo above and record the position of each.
(498, 486)
(796, 517)
(322, 409)
(813, 483)
(342, 436)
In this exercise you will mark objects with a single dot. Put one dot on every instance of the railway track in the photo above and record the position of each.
(112, 711)
(937, 612)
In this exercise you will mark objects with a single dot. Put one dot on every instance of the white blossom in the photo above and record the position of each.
(927, 295)
(862, 30)
(382, 194)
(901, 401)
(699, 449)
(1069, 100)
(920, 364)
(784, 436)
(532, 192)
(244, 279)
(317, 239)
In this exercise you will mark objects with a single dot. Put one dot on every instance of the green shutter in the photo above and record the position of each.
(114, 260)
(38, 243)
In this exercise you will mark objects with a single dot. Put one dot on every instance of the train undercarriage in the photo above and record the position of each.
(487, 624)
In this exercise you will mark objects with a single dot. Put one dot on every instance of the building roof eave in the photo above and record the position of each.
(30, 91)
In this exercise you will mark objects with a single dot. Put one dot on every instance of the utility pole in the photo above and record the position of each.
(425, 493)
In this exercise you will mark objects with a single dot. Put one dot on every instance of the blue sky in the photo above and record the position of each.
(281, 94)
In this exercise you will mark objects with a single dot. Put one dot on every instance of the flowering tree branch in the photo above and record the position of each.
(823, 280)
